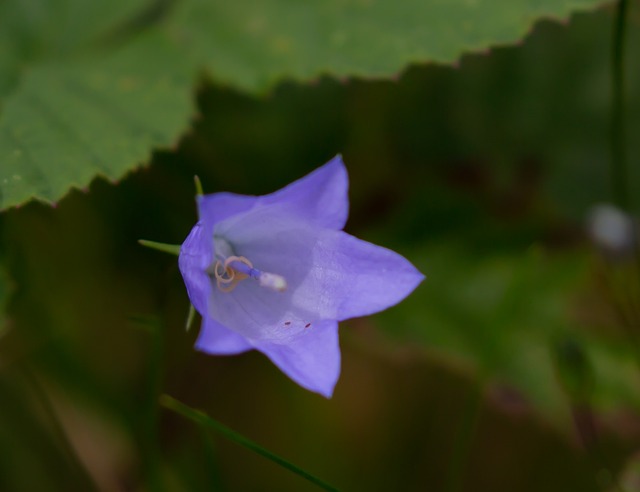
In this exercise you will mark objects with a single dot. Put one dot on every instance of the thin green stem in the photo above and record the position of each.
(619, 174)
(173, 249)
(198, 184)
(214, 476)
(207, 422)
(190, 317)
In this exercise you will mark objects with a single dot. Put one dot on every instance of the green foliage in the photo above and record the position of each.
(91, 89)
(516, 319)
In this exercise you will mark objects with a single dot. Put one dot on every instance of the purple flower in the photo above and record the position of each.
(276, 273)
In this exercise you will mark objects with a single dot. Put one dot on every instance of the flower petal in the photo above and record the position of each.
(277, 243)
(362, 277)
(319, 197)
(219, 206)
(217, 339)
(196, 254)
(329, 274)
(312, 359)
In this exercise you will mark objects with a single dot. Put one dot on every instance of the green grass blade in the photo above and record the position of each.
(204, 420)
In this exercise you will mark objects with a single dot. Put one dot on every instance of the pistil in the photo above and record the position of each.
(233, 269)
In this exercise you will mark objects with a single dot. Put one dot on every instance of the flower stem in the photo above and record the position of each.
(205, 421)
(619, 174)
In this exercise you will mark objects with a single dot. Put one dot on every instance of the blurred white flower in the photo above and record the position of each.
(611, 229)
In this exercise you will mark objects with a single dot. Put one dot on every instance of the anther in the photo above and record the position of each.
(272, 281)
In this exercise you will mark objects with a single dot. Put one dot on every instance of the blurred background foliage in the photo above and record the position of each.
(513, 367)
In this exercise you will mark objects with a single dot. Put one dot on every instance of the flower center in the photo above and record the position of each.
(228, 277)
(230, 269)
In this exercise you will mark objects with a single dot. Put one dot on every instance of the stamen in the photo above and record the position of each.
(220, 277)
(228, 278)
(236, 268)
(272, 281)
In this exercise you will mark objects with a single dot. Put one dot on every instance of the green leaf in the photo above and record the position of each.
(84, 96)
(511, 318)
(255, 43)
(39, 30)
(207, 422)
(91, 88)
(68, 122)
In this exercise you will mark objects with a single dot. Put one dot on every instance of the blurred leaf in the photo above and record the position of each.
(40, 30)
(508, 316)
(575, 371)
(106, 82)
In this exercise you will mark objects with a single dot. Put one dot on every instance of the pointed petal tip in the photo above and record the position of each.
(327, 393)
(337, 161)
(414, 280)
(311, 360)
(216, 339)
(372, 279)
(322, 381)
(325, 390)
(334, 165)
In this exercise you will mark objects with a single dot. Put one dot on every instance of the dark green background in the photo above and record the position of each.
(509, 369)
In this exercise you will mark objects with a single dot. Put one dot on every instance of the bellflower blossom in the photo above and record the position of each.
(276, 273)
